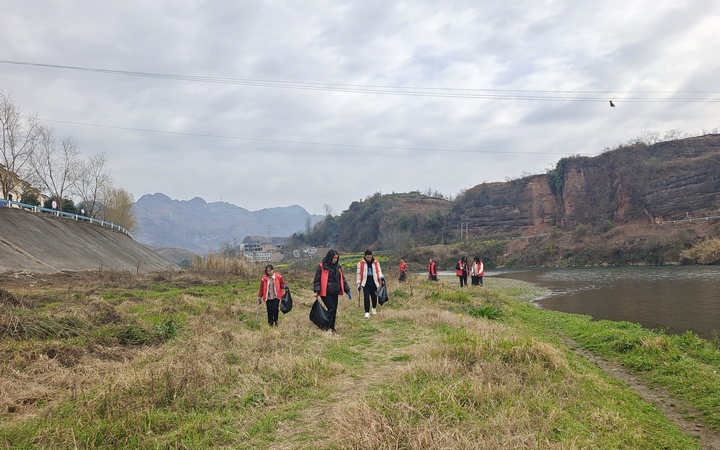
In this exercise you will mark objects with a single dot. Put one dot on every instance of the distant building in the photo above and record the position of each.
(306, 253)
(19, 189)
(264, 248)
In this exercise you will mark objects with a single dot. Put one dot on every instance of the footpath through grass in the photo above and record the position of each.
(189, 362)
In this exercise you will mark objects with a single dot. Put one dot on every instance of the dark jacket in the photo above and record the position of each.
(329, 279)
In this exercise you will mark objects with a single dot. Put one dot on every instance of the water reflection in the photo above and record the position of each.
(675, 299)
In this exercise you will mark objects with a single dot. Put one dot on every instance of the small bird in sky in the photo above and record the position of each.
(612, 105)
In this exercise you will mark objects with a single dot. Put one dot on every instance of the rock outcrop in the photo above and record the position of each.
(641, 184)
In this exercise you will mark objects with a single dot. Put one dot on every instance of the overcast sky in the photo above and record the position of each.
(314, 102)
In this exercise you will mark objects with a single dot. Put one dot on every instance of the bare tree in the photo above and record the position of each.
(674, 134)
(648, 137)
(399, 241)
(55, 164)
(91, 182)
(117, 207)
(20, 136)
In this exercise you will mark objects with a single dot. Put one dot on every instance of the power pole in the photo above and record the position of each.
(464, 227)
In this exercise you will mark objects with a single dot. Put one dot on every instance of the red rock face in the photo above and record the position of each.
(637, 184)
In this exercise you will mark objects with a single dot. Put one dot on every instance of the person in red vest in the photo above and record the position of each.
(272, 286)
(432, 271)
(403, 270)
(462, 270)
(477, 271)
(369, 278)
(329, 284)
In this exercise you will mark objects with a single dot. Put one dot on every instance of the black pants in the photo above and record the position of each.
(370, 292)
(273, 310)
(331, 303)
(475, 280)
(463, 280)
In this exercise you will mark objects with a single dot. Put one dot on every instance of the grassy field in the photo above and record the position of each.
(187, 361)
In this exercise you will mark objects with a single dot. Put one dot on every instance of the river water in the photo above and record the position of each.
(674, 299)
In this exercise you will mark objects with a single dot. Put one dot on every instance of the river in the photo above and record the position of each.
(674, 299)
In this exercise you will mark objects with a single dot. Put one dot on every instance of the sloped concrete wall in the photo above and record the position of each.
(43, 243)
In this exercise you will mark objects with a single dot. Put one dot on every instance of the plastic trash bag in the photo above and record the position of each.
(319, 316)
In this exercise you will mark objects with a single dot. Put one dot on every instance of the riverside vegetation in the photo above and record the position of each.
(186, 360)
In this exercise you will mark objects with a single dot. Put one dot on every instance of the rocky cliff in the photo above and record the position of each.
(638, 184)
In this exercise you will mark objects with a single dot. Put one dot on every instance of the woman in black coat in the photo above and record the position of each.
(329, 284)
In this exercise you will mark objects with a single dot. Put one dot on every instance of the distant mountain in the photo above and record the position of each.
(204, 227)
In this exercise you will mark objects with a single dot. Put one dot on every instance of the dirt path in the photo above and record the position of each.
(674, 410)
(351, 384)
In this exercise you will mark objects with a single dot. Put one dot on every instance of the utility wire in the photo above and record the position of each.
(517, 94)
(496, 94)
(285, 141)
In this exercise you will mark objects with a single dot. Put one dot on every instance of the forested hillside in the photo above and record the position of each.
(382, 221)
(636, 203)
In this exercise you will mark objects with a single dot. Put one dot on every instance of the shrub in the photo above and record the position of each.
(705, 252)
(135, 335)
(488, 312)
(607, 225)
(167, 329)
(581, 230)
(218, 264)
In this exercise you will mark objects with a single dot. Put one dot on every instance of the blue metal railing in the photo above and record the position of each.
(56, 213)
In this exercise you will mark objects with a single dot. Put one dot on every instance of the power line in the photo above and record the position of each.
(464, 93)
(287, 141)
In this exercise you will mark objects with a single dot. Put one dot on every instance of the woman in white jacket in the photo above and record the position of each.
(477, 271)
(369, 278)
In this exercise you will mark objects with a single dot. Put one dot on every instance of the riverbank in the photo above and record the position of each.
(186, 360)
(674, 299)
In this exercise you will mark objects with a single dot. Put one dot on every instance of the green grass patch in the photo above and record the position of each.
(487, 312)
(184, 363)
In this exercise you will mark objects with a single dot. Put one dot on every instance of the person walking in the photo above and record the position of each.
(474, 279)
(432, 271)
(477, 271)
(462, 270)
(329, 284)
(403, 270)
(369, 278)
(272, 286)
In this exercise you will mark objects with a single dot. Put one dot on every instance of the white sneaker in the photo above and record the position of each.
(374, 311)
(367, 315)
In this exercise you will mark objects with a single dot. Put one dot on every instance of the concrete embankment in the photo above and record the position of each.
(43, 243)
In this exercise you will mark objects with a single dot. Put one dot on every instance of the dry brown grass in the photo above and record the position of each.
(705, 252)
(418, 375)
(218, 264)
(657, 343)
(490, 369)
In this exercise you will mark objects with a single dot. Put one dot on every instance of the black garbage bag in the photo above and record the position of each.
(319, 316)
(286, 302)
(382, 295)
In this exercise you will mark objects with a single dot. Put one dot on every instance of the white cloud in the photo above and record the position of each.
(266, 146)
